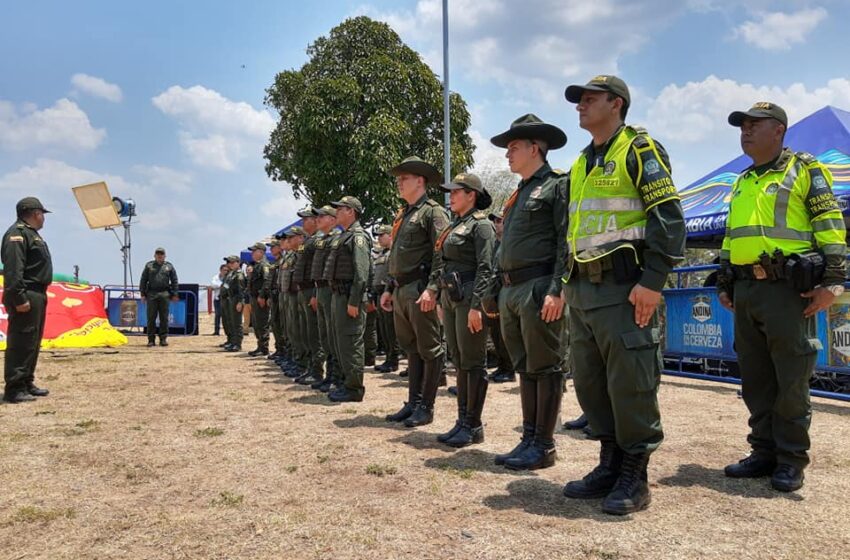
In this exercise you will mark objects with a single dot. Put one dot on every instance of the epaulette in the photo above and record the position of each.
(479, 215)
(430, 202)
(806, 158)
(559, 172)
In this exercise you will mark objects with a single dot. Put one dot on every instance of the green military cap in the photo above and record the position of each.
(530, 127)
(295, 230)
(307, 212)
(159, 251)
(258, 246)
(603, 82)
(497, 215)
(326, 210)
(470, 181)
(232, 258)
(274, 242)
(30, 203)
(759, 110)
(348, 202)
(383, 229)
(417, 166)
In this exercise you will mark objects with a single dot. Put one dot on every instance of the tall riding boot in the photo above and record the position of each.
(462, 392)
(415, 368)
(528, 399)
(424, 413)
(541, 453)
(472, 431)
(599, 482)
(631, 493)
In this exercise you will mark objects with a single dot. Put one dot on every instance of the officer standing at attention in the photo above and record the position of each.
(626, 232)
(224, 302)
(326, 222)
(300, 354)
(412, 291)
(158, 285)
(350, 263)
(505, 370)
(782, 262)
(466, 248)
(233, 289)
(531, 264)
(275, 323)
(27, 271)
(307, 304)
(260, 292)
(380, 278)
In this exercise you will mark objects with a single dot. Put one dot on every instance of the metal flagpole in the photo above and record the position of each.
(447, 134)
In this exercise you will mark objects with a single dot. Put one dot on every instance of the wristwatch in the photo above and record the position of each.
(836, 289)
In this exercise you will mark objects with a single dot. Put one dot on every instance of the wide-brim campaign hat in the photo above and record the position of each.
(531, 127)
(417, 166)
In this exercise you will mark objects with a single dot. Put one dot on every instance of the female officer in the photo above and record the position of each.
(466, 248)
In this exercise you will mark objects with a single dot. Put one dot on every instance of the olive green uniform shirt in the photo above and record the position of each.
(413, 247)
(26, 263)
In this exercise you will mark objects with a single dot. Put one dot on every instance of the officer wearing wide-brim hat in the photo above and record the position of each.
(412, 292)
(27, 271)
(782, 213)
(626, 232)
(530, 266)
(350, 261)
(466, 248)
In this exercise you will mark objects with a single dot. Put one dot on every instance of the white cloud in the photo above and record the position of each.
(165, 177)
(697, 111)
(64, 125)
(98, 87)
(216, 132)
(778, 31)
(283, 204)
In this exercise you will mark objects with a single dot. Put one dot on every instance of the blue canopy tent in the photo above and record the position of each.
(245, 255)
(824, 134)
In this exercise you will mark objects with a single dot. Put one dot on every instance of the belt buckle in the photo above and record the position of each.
(759, 273)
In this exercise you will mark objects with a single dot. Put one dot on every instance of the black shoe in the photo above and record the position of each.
(326, 385)
(235, 348)
(224, 345)
(752, 466)
(452, 390)
(465, 436)
(309, 379)
(294, 373)
(787, 478)
(402, 414)
(273, 356)
(577, 424)
(422, 415)
(18, 397)
(403, 373)
(318, 383)
(151, 343)
(369, 362)
(631, 493)
(527, 436)
(306, 374)
(259, 352)
(37, 392)
(599, 482)
(387, 367)
(534, 457)
(163, 343)
(503, 376)
(344, 395)
(443, 438)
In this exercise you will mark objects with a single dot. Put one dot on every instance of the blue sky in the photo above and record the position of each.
(163, 100)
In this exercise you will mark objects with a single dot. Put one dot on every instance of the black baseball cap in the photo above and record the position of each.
(759, 110)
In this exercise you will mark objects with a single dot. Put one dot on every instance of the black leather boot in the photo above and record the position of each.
(414, 389)
(424, 413)
(787, 478)
(472, 431)
(528, 400)
(599, 482)
(462, 392)
(631, 493)
(756, 465)
(36, 391)
(541, 453)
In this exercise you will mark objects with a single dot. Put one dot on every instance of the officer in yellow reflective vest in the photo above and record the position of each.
(782, 261)
(626, 231)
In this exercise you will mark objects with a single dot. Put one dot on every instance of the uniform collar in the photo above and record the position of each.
(777, 165)
(590, 151)
(419, 202)
(355, 225)
(541, 172)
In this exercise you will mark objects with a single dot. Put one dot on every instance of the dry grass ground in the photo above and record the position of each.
(186, 452)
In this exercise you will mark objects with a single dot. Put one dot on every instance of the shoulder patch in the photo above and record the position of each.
(430, 202)
(638, 129)
(479, 215)
(806, 157)
(16, 238)
(559, 172)
(640, 141)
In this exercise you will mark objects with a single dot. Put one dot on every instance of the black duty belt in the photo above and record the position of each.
(306, 285)
(37, 287)
(520, 275)
(758, 272)
(404, 279)
(342, 287)
(596, 266)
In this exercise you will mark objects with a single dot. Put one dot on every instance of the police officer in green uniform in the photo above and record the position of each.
(234, 286)
(530, 266)
(27, 271)
(505, 372)
(300, 357)
(326, 221)
(283, 280)
(782, 262)
(466, 248)
(380, 278)
(259, 289)
(307, 302)
(158, 285)
(275, 323)
(370, 333)
(349, 279)
(412, 291)
(224, 304)
(626, 232)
